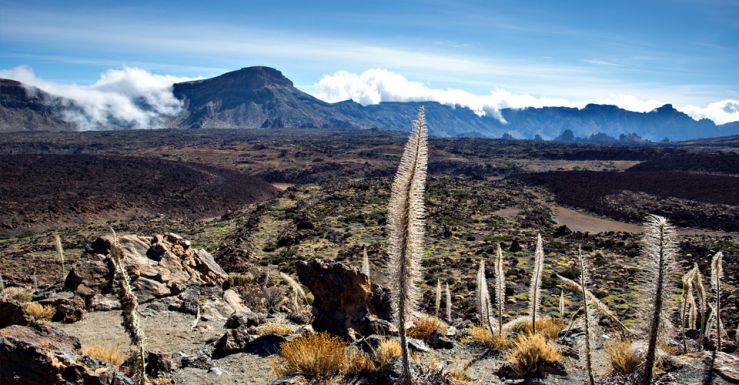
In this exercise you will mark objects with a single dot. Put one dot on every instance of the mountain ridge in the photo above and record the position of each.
(262, 97)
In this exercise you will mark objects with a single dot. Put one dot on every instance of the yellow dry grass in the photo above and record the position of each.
(19, 294)
(425, 326)
(109, 354)
(39, 311)
(277, 329)
(481, 335)
(322, 356)
(530, 351)
(622, 357)
(388, 351)
(549, 328)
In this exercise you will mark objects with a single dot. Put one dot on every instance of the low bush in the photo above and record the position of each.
(39, 311)
(530, 352)
(387, 352)
(276, 329)
(481, 335)
(322, 356)
(623, 358)
(109, 354)
(19, 294)
(426, 326)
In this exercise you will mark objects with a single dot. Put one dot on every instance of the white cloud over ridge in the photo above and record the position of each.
(379, 85)
(129, 97)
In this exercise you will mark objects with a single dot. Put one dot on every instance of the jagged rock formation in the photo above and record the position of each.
(27, 108)
(159, 266)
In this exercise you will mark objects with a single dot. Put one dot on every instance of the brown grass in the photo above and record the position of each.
(481, 335)
(19, 294)
(425, 327)
(388, 351)
(322, 356)
(549, 328)
(109, 354)
(529, 352)
(40, 312)
(276, 329)
(623, 358)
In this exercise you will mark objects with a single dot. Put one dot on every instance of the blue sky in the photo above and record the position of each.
(637, 54)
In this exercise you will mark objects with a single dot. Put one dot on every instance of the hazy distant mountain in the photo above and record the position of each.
(27, 108)
(262, 97)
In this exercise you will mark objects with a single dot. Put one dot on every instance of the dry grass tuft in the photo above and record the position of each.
(322, 356)
(19, 294)
(276, 329)
(40, 312)
(425, 327)
(549, 328)
(235, 280)
(109, 354)
(624, 360)
(529, 352)
(388, 351)
(481, 335)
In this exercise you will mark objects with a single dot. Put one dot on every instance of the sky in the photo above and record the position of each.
(486, 55)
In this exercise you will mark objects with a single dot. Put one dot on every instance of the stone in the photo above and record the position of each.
(244, 319)
(265, 346)
(13, 313)
(104, 302)
(41, 354)
(341, 296)
(158, 363)
(69, 307)
(439, 341)
(160, 266)
(417, 345)
(233, 341)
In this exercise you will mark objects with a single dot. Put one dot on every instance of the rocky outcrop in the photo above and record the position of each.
(159, 266)
(41, 354)
(13, 313)
(343, 298)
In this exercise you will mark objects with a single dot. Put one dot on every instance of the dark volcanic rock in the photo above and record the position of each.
(13, 313)
(244, 319)
(234, 341)
(342, 296)
(44, 355)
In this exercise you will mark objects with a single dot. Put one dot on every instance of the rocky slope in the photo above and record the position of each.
(27, 108)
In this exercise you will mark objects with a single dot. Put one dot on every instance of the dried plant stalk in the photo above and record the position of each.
(406, 231)
(448, 304)
(717, 272)
(588, 318)
(484, 307)
(60, 253)
(499, 287)
(437, 299)
(535, 286)
(366, 265)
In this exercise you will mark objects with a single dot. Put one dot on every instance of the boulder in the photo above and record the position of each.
(341, 297)
(41, 354)
(13, 313)
(244, 319)
(234, 341)
(68, 306)
(265, 346)
(159, 266)
(157, 364)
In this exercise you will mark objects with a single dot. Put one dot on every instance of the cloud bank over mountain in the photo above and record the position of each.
(379, 85)
(129, 97)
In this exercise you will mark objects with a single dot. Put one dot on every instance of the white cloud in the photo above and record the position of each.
(131, 97)
(379, 85)
(720, 112)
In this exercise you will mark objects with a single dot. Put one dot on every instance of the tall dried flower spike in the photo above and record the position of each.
(658, 263)
(594, 301)
(60, 253)
(448, 304)
(298, 293)
(366, 264)
(562, 305)
(717, 272)
(588, 317)
(129, 311)
(437, 300)
(484, 307)
(701, 292)
(499, 287)
(687, 299)
(535, 288)
(406, 231)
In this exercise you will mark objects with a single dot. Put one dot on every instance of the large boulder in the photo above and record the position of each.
(159, 266)
(13, 313)
(342, 298)
(41, 354)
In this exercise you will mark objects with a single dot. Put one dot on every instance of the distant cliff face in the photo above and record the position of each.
(26, 108)
(262, 97)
